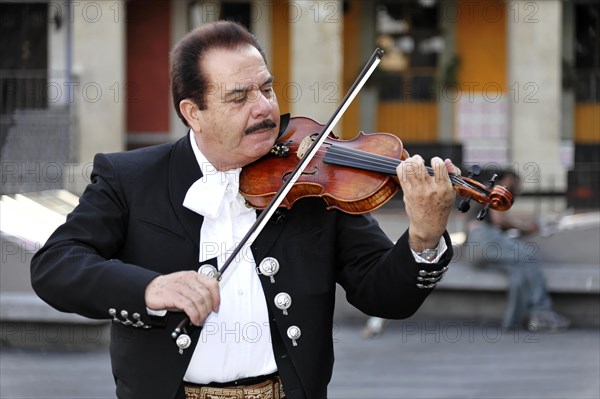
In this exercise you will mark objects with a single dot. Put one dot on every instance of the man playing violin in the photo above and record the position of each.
(156, 223)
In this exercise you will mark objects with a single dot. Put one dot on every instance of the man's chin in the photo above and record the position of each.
(260, 151)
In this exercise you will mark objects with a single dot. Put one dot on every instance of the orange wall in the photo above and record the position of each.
(280, 49)
(587, 123)
(481, 43)
(411, 121)
(147, 93)
(350, 124)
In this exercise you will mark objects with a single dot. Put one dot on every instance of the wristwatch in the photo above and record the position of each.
(429, 254)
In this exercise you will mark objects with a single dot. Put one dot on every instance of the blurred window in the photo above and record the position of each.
(409, 32)
(587, 51)
(24, 59)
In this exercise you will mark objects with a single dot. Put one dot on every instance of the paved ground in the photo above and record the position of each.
(412, 359)
(415, 359)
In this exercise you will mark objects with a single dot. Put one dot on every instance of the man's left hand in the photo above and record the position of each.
(428, 199)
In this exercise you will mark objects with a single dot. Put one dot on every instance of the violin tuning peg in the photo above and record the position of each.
(464, 205)
(492, 181)
(483, 213)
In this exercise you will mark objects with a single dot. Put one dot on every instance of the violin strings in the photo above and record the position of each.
(349, 155)
(390, 164)
(360, 159)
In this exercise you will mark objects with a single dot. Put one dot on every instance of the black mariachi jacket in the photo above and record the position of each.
(130, 226)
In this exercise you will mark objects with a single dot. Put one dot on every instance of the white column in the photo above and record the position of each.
(534, 91)
(57, 54)
(261, 21)
(98, 90)
(315, 89)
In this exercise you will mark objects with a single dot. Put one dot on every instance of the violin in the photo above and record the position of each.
(355, 176)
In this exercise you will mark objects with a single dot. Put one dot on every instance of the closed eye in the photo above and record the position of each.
(240, 98)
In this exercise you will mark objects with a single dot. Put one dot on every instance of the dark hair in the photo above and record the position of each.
(187, 78)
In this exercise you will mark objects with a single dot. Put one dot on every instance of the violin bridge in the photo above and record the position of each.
(304, 146)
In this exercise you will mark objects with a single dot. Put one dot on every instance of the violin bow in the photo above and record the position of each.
(183, 340)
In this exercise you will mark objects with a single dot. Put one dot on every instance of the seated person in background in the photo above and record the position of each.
(494, 244)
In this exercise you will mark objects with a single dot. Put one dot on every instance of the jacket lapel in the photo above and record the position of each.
(272, 230)
(183, 172)
(269, 235)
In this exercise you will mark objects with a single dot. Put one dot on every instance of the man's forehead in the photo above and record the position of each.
(236, 68)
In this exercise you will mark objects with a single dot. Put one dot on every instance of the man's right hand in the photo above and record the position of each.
(186, 291)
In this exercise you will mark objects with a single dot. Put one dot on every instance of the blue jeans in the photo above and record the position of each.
(491, 248)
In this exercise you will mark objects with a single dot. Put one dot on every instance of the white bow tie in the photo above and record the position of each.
(207, 195)
(216, 197)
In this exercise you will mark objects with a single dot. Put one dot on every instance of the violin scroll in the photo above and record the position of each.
(493, 197)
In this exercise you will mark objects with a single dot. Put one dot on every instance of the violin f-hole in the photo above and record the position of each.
(314, 171)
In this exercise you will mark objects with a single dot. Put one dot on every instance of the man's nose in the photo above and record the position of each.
(262, 105)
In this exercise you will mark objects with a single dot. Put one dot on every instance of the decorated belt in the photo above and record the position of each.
(271, 388)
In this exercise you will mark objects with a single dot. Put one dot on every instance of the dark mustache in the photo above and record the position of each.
(266, 124)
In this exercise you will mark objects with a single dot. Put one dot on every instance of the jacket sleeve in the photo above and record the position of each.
(381, 278)
(75, 271)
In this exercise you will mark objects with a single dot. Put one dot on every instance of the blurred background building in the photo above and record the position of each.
(494, 82)
(499, 83)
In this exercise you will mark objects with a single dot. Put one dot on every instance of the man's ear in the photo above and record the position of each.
(191, 113)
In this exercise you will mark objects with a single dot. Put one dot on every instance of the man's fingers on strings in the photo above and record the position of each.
(440, 170)
(451, 167)
(411, 168)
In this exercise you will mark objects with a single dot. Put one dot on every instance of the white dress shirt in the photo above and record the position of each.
(236, 341)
